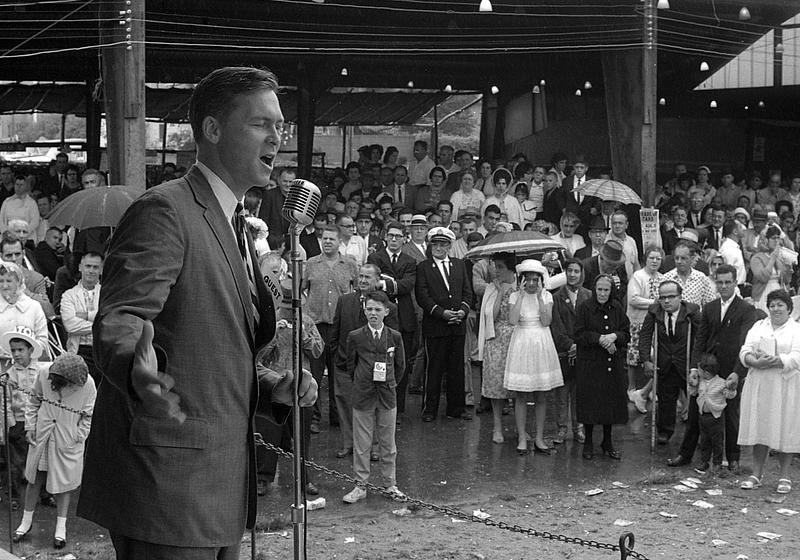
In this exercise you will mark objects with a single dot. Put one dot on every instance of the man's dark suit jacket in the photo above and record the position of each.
(362, 353)
(553, 206)
(349, 316)
(174, 260)
(47, 261)
(271, 212)
(563, 325)
(724, 337)
(400, 288)
(434, 297)
(582, 210)
(671, 350)
(584, 253)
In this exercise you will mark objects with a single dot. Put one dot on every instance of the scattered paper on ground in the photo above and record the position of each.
(718, 542)
(401, 512)
(769, 536)
(623, 523)
(682, 488)
(667, 514)
(458, 520)
(689, 482)
(480, 514)
(618, 484)
(714, 492)
(594, 492)
(350, 539)
(695, 480)
(787, 512)
(703, 504)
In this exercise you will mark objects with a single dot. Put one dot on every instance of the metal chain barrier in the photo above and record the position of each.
(626, 541)
(11, 384)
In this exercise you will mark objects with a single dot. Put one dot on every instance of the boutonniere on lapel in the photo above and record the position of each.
(390, 351)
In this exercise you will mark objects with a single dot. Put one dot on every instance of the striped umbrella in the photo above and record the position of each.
(521, 243)
(607, 189)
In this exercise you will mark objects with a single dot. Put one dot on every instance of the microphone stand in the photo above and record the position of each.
(299, 506)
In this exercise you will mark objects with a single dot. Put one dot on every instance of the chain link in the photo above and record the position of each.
(625, 548)
(11, 384)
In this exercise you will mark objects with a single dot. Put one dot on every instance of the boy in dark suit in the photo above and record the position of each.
(374, 360)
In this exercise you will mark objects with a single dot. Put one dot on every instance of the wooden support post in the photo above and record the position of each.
(63, 132)
(93, 116)
(123, 80)
(164, 146)
(306, 109)
(649, 104)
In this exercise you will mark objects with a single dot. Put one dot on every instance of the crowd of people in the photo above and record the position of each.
(600, 320)
(392, 308)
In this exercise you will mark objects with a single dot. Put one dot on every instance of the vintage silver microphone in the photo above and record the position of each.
(299, 209)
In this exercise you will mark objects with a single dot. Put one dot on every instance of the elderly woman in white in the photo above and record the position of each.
(18, 309)
(771, 394)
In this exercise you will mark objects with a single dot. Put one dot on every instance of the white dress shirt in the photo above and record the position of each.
(78, 309)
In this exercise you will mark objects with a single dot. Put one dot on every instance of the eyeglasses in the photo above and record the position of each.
(394, 236)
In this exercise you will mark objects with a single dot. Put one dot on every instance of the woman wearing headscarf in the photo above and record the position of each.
(532, 364)
(494, 336)
(770, 400)
(601, 333)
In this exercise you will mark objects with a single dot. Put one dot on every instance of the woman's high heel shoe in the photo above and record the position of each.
(542, 450)
(610, 451)
(19, 535)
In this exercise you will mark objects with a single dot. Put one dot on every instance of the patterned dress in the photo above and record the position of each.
(494, 354)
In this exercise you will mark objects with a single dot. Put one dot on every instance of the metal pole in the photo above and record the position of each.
(8, 463)
(299, 506)
(655, 389)
(649, 105)
(436, 133)
(164, 147)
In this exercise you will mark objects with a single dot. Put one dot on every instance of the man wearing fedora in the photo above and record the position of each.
(444, 293)
(611, 260)
(416, 246)
(597, 236)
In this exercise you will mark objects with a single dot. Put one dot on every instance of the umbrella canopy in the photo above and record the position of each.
(94, 207)
(607, 189)
(521, 243)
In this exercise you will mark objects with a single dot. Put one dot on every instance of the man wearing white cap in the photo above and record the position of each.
(444, 293)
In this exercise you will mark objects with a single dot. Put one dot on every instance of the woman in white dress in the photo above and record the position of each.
(532, 364)
(769, 417)
(642, 293)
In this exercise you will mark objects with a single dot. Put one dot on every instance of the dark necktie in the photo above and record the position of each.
(399, 193)
(394, 260)
(719, 238)
(239, 226)
(670, 328)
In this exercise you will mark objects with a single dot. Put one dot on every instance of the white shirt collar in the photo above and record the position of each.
(376, 331)
(224, 195)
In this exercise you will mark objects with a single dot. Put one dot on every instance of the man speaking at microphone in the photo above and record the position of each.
(170, 462)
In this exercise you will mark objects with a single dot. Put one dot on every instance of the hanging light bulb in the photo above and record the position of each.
(410, 83)
(536, 89)
(704, 66)
(779, 48)
(495, 90)
(587, 85)
(662, 101)
(761, 104)
(578, 92)
(448, 88)
(485, 6)
(744, 14)
(663, 4)
(344, 71)
(713, 104)
(542, 83)
(319, 1)
(747, 107)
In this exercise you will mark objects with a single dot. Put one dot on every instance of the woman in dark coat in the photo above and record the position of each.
(601, 336)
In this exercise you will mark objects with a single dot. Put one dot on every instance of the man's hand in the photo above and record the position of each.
(448, 315)
(282, 392)
(152, 386)
(648, 368)
(573, 351)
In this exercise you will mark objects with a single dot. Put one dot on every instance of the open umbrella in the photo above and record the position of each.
(607, 189)
(94, 207)
(524, 244)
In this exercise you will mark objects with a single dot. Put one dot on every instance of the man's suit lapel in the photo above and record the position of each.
(225, 238)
